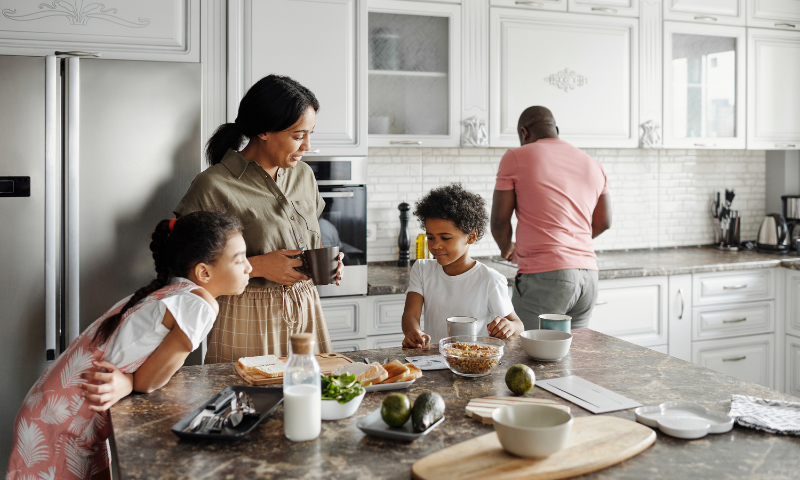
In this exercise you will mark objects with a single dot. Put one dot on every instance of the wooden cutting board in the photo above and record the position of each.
(481, 409)
(595, 443)
(328, 362)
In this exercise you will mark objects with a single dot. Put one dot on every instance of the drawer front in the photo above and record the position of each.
(748, 358)
(386, 341)
(342, 346)
(733, 287)
(792, 384)
(733, 320)
(342, 316)
(386, 312)
(633, 309)
(793, 302)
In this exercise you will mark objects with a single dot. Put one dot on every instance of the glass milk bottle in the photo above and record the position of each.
(302, 404)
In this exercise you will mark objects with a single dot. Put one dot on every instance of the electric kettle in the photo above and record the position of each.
(773, 234)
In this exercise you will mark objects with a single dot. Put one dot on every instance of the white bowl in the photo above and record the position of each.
(532, 431)
(546, 345)
(333, 410)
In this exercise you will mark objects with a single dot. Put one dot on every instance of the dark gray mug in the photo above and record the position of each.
(320, 264)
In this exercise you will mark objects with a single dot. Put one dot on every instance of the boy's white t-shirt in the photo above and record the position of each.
(480, 292)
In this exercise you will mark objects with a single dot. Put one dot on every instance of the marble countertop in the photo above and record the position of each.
(146, 448)
(384, 278)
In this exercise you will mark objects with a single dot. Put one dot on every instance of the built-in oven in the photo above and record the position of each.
(343, 223)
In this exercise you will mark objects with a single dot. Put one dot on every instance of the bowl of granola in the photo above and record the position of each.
(470, 355)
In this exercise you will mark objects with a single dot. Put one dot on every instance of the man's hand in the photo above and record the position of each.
(416, 339)
(106, 386)
(501, 328)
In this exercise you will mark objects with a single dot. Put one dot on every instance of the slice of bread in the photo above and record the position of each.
(413, 371)
(360, 370)
(378, 377)
(396, 371)
(251, 364)
(271, 371)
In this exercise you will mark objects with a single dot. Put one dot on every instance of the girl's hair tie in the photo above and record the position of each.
(172, 224)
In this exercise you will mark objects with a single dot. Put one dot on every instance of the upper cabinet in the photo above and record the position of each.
(773, 76)
(587, 75)
(625, 8)
(552, 5)
(414, 73)
(319, 43)
(715, 12)
(783, 14)
(704, 78)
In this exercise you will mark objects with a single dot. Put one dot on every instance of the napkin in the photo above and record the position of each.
(773, 416)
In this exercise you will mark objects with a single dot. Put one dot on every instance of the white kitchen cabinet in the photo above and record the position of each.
(704, 92)
(319, 43)
(623, 8)
(552, 5)
(341, 346)
(733, 287)
(161, 30)
(587, 76)
(783, 14)
(773, 97)
(732, 320)
(344, 317)
(714, 12)
(679, 327)
(633, 309)
(792, 297)
(748, 358)
(792, 371)
(385, 312)
(385, 341)
(414, 74)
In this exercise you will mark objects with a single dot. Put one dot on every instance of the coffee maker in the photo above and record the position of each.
(790, 205)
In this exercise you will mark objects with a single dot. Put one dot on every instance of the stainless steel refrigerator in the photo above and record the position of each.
(93, 153)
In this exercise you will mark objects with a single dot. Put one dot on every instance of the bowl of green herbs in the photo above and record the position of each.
(341, 396)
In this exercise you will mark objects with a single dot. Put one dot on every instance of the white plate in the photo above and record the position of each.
(379, 387)
(684, 419)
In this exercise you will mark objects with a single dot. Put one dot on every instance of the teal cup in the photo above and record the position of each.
(555, 321)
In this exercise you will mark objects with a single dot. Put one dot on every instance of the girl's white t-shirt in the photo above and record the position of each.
(142, 331)
(480, 292)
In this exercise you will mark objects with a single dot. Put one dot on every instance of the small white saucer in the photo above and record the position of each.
(684, 419)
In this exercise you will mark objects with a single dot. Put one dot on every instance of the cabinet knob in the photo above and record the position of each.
(738, 320)
(707, 19)
(735, 359)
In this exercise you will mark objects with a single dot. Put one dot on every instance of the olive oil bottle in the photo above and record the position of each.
(422, 246)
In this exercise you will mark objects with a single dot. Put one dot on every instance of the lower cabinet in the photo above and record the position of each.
(360, 323)
(385, 341)
(633, 309)
(342, 346)
(792, 379)
(343, 317)
(748, 358)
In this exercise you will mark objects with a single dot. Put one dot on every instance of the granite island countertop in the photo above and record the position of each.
(146, 448)
(385, 278)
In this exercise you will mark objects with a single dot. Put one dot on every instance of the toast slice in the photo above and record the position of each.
(360, 370)
(271, 371)
(396, 371)
(251, 364)
(378, 377)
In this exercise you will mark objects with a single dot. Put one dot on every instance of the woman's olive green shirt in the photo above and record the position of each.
(276, 214)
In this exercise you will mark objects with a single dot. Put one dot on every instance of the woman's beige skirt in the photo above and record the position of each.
(261, 320)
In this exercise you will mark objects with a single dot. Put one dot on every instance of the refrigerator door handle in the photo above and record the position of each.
(73, 200)
(51, 188)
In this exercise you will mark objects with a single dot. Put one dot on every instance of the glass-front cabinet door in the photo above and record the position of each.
(704, 86)
(414, 73)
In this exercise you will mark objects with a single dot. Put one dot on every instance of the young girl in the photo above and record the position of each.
(62, 427)
(454, 284)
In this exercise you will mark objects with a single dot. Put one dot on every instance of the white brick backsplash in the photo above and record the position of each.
(659, 198)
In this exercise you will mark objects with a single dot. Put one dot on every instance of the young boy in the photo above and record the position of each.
(453, 284)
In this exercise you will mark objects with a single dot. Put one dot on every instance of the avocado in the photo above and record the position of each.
(428, 409)
(395, 409)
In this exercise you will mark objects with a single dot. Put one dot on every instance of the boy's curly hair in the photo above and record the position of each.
(452, 202)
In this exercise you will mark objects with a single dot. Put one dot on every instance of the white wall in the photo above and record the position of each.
(660, 198)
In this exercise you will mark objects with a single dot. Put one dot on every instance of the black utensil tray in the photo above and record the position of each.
(265, 401)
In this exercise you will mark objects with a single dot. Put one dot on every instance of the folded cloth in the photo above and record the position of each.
(773, 416)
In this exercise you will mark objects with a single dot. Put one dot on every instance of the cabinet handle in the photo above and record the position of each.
(600, 9)
(705, 144)
(601, 302)
(738, 320)
(708, 19)
(785, 25)
(406, 142)
(531, 4)
(76, 53)
(316, 150)
(734, 287)
(788, 145)
(734, 359)
(680, 292)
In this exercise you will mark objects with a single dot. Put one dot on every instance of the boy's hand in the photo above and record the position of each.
(501, 328)
(416, 339)
(106, 386)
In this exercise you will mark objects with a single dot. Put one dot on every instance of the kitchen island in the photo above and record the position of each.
(146, 448)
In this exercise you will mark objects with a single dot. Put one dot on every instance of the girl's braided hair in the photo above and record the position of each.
(198, 237)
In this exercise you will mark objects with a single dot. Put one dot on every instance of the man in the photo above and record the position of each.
(560, 195)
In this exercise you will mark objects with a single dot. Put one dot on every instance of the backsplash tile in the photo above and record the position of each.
(659, 198)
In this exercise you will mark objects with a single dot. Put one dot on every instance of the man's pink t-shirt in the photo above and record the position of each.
(557, 187)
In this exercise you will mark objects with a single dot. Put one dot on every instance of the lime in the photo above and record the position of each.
(395, 409)
(520, 378)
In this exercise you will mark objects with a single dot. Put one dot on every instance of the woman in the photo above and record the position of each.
(276, 198)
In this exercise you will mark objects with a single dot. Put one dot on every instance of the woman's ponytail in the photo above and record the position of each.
(227, 136)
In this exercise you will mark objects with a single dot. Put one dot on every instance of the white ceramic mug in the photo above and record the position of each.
(462, 326)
